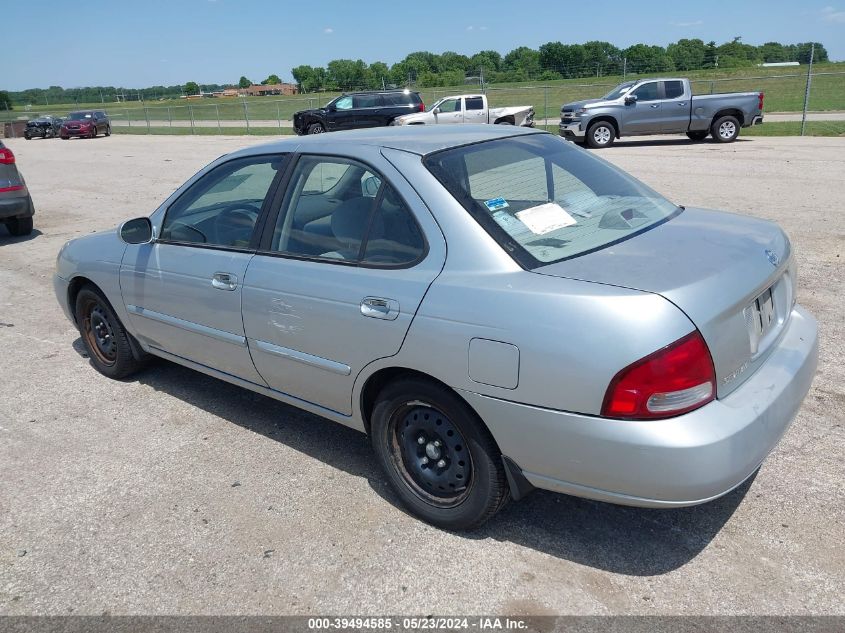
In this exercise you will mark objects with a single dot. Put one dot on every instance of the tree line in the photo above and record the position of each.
(553, 60)
(423, 69)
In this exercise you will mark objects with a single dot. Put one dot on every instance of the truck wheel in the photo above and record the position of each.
(600, 134)
(725, 129)
(698, 135)
(316, 128)
(438, 456)
(19, 226)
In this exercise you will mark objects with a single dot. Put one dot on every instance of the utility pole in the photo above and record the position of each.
(807, 89)
(481, 78)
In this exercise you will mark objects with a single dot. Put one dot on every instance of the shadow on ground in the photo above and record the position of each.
(633, 541)
(670, 141)
(8, 238)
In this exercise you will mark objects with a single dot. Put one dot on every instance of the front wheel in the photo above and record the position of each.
(103, 335)
(316, 128)
(438, 456)
(27, 136)
(600, 134)
(108, 130)
(94, 132)
(725, 129)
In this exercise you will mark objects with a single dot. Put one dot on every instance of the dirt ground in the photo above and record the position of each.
(176, 493)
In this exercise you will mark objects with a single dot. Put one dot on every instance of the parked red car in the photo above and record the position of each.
(85, 123)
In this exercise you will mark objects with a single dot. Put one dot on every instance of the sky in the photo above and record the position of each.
(168, 42)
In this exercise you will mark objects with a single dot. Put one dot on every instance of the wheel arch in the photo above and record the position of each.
(74, 287)
(505, 119)
(607, 119)
(729, 112)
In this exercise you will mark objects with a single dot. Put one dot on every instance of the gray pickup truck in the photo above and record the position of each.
(659, 106)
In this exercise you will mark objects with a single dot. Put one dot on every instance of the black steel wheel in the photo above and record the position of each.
(103, 335)
(439, 457)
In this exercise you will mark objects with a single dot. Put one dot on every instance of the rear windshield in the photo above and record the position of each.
(544, 200)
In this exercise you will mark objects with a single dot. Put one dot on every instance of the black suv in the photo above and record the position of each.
(358, 109)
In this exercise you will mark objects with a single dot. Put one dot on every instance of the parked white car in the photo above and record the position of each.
(469, 109)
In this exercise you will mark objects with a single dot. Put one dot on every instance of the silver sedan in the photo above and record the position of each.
(498, 309)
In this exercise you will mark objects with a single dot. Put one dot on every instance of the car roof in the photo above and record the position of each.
(416, 139)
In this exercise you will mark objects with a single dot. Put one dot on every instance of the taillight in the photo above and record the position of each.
(6, 156)
(421, 107)
(671, 381)
(760, 100)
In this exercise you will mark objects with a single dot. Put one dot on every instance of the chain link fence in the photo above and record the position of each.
(785, 92)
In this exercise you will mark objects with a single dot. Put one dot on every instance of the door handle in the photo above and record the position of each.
(224, 281)
(683, 105)
(656, 105)
(379, 308)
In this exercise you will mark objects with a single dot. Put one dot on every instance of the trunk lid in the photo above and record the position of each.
(732, 275)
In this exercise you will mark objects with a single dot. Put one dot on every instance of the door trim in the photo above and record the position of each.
(301, 357)
(190, 326)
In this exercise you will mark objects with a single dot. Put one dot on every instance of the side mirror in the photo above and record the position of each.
(436, 110)
(630, 99)
(332, 108)
(137, 231)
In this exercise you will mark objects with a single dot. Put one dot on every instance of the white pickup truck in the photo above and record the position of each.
(468, 109)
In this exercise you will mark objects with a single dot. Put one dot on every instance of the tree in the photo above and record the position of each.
(802, 53)
(774, 52)
(687, 54)
(243, 82)
(488, 60)
(735, 54)
(192, 88)
(648, 59)
(711, 59)
(522, 63)
(379, 74)
(346, 74)
(602, 58)
(5, 100)
(310, 79)
(272, 80)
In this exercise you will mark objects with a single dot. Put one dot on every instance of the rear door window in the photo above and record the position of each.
(365, 101)
(673, 89)
(475, 103)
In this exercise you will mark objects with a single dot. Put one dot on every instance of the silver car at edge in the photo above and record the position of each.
(498, 309)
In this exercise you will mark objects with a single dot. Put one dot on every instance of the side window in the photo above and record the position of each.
(344, 103)
(335, 226)
(365, 101)
(222, 207)
(325, 209)
(647, 92)
(394, 237)
(475, 103)
(450, 105)
(673, 89)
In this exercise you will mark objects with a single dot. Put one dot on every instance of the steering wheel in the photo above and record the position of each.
(233, 226)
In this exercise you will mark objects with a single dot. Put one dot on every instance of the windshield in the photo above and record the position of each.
(545, 200)
(619, 90)
(78, 116)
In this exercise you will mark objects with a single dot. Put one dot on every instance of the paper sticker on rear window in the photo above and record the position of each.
(496, 203)
(545, 218)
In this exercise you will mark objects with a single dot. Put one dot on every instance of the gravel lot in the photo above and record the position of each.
(176, 493)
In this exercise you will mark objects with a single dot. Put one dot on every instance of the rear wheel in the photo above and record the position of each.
(438, 456)
(19, 226)
(600, 134)
(103, 335)
(725, 129)
(316, 128)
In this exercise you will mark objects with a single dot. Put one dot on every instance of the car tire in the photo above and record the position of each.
(454, 478)
(93, 132)
(108, 130)
(103, 335)
(315, 128)
(725, 129)
(600, 134)
(19, 226)
(27, 137)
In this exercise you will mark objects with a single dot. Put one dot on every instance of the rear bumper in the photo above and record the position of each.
(571, 130)
(681, 461)
(757, 120)
(18, 207)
